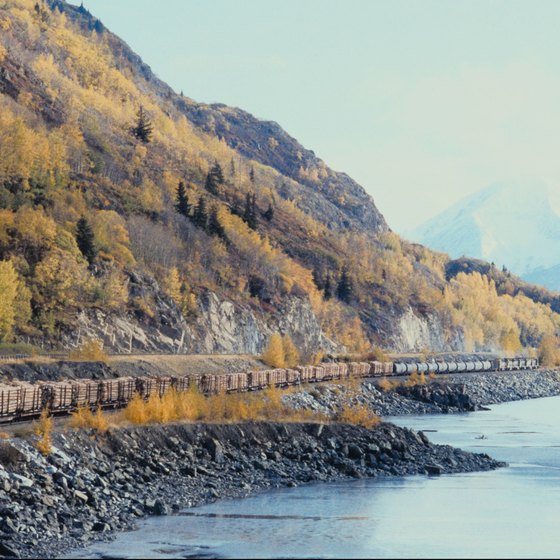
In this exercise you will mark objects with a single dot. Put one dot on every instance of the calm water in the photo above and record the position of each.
(511, 512)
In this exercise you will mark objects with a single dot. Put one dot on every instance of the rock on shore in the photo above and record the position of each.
(446, 394)
(92, 484)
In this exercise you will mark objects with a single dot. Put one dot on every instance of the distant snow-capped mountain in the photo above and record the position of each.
(510, 223)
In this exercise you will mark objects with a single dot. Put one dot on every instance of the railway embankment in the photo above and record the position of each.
(446, 394)
(93, 484)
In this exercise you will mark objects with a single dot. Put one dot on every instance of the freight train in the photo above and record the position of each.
(20, 400)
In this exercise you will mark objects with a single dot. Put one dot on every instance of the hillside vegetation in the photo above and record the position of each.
(108, 177)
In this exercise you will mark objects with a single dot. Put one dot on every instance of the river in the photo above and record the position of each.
(513, 512)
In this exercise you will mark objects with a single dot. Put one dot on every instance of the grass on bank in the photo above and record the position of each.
(193, 406)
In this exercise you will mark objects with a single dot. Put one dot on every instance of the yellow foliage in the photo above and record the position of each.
(91, 350)
(358, 414)
(273, 356)
(83, 417)
(415, 379)
(8, 293)
(549, 351)
(291, 353)
(44, 430)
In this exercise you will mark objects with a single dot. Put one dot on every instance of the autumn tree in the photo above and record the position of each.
(143, 129)
(274, 354)
(85, 238)
(291, 353)
(549, 352)
(8, 293)
(182, 206)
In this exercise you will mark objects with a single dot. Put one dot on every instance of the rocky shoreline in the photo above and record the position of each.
(446, 394)
(93, 484)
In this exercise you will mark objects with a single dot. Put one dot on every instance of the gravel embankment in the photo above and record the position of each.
(92, 485)
(446, 394)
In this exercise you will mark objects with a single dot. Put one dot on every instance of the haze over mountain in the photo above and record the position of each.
(512, 224)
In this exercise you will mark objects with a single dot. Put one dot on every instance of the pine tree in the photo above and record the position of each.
(232, 168)
(85, 239)
(214, 225)
(269, 214)
(252, 174)
(200, 216)
(344, 289)
(250, 213)
(143, 128)
(214, 179)
(328, 288)
(182, 206)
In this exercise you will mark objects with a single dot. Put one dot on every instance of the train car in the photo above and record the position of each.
(399, 368)
(421, 367)
(442, 367)
(31, 399)
(86, 392)
(10, 400)
(487, 365)
(293, 376)
(411, 367)
(61, 395)
(433, 367)
(478, 365)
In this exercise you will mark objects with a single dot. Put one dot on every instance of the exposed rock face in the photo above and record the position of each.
(413, 333)
(92, 484)
(220, 326)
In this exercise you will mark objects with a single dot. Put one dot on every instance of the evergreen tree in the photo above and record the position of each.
(269, 214)
(85, 239)
(200, 216)
(214, 225)
(250, 214)
(328, 287)
(344, 289)
(214, 179)
(235, 210)
(143, 129)
(182, 206)
(252, 174)
(232, 168)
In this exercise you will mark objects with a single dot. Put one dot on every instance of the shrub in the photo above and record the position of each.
(377, 354)
(83, 417)
(359, 415)
(91, 350)
(415, 379)
(44, 430)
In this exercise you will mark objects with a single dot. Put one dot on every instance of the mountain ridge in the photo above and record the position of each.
(510, 223)
(268, 238)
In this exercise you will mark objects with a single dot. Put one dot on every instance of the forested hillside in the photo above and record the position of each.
(135, 214)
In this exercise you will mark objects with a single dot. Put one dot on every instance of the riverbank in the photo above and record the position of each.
(93, 484)
(445, 394)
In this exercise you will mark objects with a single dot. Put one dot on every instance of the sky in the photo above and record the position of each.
(421, 102)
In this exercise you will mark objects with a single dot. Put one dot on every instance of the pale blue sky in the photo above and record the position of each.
(422, 102)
